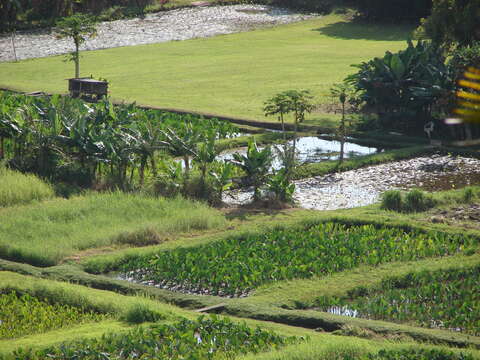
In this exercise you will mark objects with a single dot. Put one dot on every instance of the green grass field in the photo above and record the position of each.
(45, 233)
(230, 75)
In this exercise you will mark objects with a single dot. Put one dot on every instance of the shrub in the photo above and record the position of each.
(414, 201)
(452, 22)
(405, 86)
(463, 57)
(417, 201)
(392, 200)
(140, 313)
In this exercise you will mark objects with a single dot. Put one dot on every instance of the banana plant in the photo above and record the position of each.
(222, 178)
(182, 143)
(204, 155)
(256, 165)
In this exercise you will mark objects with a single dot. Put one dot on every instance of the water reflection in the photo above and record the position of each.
(312, 149)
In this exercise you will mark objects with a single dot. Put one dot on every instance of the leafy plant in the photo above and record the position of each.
(405, 85)
(222, 179)
(440, 299)
(279, 184)
(235, 266)
(204, 338)
(256, 165)
(24, 315)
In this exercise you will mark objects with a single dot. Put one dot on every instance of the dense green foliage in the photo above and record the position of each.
(463, 57)
(17, 188)
(452, 22)
(69, 140)
(28, 13)
(204, 338)
(45, 233)
(404, 87)
(418, 354)
(25, 315)
(237, 265)
(446, 298)
(393, 10)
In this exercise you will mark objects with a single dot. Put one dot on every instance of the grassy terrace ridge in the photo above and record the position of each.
(48, 232)
(317, 345)
(215, 76)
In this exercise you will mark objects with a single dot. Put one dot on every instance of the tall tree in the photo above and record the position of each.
(78, 27)
(452, 22)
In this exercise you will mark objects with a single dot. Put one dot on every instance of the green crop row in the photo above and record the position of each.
(417, 354)
(205, 338)
(447, 299)
(235, 266)
(25, 315)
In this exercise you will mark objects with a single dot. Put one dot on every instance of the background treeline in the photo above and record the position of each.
(28, 13)
(378, 10)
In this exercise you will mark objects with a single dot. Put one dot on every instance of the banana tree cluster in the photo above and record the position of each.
(406, 84)
(66, 139)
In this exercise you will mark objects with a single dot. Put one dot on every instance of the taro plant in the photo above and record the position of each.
(204, 338)
(447, 298)
(256, 165)
(236, 265)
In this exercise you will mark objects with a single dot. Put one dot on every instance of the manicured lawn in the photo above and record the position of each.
(228, 75)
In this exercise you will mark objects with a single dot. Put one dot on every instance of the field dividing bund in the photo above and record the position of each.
(44, 234)
(192, 74)
(235, 266)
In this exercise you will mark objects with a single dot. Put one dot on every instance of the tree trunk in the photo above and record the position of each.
(153, 165)
(77, 58)
(142, 170)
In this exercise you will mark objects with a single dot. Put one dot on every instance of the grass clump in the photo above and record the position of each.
(17, 188)
(413, 201)
(139, 313)
(25, 315)
(440, 299)
(47, 233)
(204, 338)
(236, 265)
